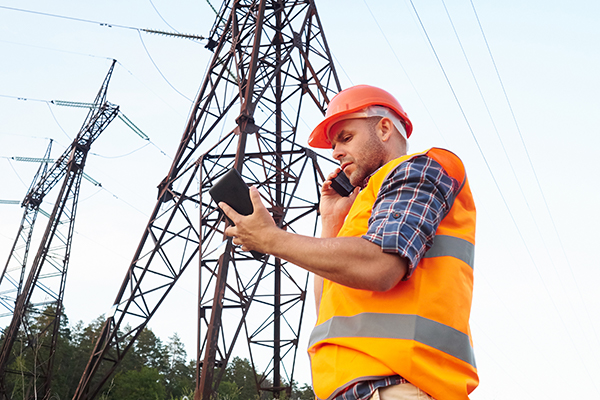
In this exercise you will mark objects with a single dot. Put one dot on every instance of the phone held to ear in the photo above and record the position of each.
(232, 190)
(341, 184)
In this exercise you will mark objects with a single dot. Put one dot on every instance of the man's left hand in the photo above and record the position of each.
(254, 231)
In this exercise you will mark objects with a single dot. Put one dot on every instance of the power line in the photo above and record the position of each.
(161, 17)
(457, 100)
(522, 140)
(58, 123)
(58, 50)
(405, 73)
(155, 31)
(533, 170)
(77, 104)
(122, 155)
(504, 147)
(160, 72)
(89, 55)
(26, 136)
(85, 176)
(15, 171)
(498, 188)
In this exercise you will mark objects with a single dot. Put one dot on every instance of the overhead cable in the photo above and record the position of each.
(497, 185)
(404, 70)
(77, 104)
(124, 155)
(15, 171)
(155, 31)
(533, 169)
(58, 123)
(160, 72)
(161, 17)
(514, 173)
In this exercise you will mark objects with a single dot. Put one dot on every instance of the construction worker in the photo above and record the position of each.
(394, 264)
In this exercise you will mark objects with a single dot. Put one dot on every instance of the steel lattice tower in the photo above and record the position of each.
(269, 57)
(13, 274)
(41, 295)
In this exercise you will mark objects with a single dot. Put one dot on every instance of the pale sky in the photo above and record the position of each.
(529, 143)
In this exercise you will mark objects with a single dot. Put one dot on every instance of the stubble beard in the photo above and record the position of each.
(373, 157)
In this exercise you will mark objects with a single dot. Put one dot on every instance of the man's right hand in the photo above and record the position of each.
(334, 207)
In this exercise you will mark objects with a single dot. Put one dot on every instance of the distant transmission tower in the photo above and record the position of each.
(13, 275)
(270, 59)
(41, 295)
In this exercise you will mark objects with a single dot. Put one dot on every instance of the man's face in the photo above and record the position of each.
(358, 148)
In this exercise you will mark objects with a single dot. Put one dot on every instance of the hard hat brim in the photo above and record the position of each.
(351, 100)
(319, 137)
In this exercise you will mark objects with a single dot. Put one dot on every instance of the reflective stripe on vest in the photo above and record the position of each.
(398, 326)
(444, 245)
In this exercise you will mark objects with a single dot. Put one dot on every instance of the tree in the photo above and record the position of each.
(83, 342)
(29, 367)
(304, 393)
(180, 374)
(151, 371)
(241, 374)
(148, 351)
(145, 384)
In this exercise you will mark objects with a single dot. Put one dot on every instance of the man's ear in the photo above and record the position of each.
(386, 128)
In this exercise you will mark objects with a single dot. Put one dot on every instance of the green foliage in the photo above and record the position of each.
(145, 384)
(179, 375)
(151, 370)
(229, 391)
(304, 393)
(239, 374)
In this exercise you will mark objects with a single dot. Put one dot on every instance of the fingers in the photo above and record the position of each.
(334, 174)
(236, 218)
(255, 198)
(231, 231)
(326, 187)
(233, 216)
(230, 212)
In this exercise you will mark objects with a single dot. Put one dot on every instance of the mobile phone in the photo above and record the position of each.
(232, 189)
(341, 184)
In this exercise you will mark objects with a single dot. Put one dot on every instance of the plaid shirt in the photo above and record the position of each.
(410, 205)
(412, 201)
(365, 389)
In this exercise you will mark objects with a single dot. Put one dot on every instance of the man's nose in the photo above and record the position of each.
(337, 152)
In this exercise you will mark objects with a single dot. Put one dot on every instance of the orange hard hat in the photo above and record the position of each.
(350, 101)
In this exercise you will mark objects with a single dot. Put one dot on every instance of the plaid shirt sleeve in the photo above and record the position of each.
(412, 201)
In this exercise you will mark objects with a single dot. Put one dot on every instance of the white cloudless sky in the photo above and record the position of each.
(526, 124)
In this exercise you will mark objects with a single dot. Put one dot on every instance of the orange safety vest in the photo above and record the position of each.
(420, 328)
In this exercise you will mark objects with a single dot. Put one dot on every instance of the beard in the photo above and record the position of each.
(369, 160)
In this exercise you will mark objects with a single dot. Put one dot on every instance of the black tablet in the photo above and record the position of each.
(232, 190)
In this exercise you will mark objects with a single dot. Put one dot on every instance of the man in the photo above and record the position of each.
(394, 264)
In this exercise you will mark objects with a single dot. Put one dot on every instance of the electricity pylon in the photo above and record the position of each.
(270, 56)
(13, 274)
(41, 295)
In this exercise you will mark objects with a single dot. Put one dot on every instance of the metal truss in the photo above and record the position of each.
(39, 298)
(269, 56)
(13, 274)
